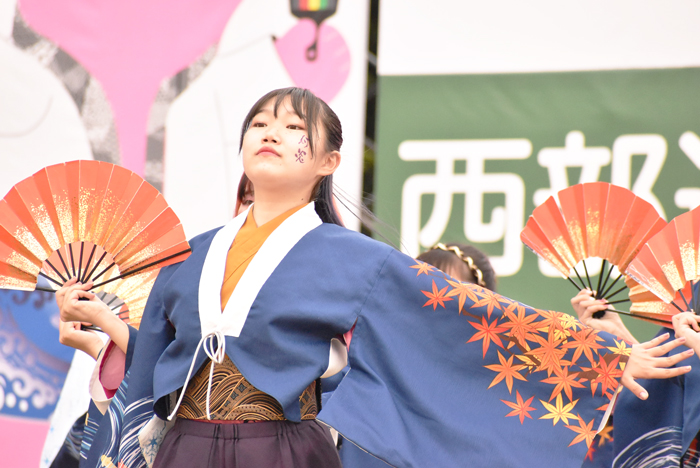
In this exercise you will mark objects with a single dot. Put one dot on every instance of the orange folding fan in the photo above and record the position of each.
(668, 263)
(596, 219)
(648, 307)
(90, 220)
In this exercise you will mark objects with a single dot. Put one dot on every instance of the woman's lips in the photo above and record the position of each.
(266, 150)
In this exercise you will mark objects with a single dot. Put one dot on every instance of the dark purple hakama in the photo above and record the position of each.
(266, 444)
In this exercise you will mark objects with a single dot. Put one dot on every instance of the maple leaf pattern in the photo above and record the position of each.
(552, 321)
(621, 348)
(563, 380)
(559, 410)
(436, 297)
(569, 322)
(423, 268)
(520, 408)
(506, 371)
(608, 374)
(605, 435)
(527, 361)
(533, 345)
(590, 453)
(487, 332)
(584, 341)
(585, 432)
(488, 299)
(520, 325)
(462, 291)
(549, 353)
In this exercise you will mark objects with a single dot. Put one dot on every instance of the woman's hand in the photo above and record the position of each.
(647, 361)
(70, 334)
(61, 293)
(585, 305)
(90, 310)
(686, 326)
(77, 304)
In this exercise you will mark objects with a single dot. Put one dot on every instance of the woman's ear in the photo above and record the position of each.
(330, 163)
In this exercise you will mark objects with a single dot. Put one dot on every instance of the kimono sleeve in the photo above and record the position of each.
(109, 371)
(444, 373)
(116, 439)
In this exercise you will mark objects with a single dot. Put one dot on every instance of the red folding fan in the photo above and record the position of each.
(598, 220)
(668, 263)
(90, 220)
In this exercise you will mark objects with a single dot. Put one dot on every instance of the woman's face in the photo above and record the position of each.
(276, 152)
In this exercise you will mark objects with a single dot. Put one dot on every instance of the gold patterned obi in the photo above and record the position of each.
(233, 398)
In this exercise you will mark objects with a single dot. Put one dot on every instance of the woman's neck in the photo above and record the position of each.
(268, 208)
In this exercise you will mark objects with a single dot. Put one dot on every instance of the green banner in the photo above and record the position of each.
(466, 158)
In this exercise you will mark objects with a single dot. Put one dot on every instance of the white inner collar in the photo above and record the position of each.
(271, 253)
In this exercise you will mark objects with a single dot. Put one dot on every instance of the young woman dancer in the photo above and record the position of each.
(242, 330)
(663, 429)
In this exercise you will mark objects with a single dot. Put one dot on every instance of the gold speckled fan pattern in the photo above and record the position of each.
(91, 220)
(598, 220)
(669, 263)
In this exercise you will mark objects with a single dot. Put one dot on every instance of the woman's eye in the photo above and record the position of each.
(258, 124)
(295, 127)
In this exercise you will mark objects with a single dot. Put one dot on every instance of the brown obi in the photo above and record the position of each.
(233, 398)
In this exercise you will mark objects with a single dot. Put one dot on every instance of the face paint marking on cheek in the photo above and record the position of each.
(300, 155)
(304, 141)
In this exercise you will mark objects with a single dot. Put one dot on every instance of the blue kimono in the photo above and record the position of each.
(663, 430)
(441, 373)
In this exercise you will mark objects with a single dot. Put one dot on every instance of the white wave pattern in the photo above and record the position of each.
(130, 453)
(660, 448)
(22, 379)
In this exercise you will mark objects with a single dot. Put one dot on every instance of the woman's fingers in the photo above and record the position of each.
(79, 291)
(578, 300)
(655, 341)
(667, 373)
(685, 320)
(662, 349)
(657, 373)
(581, 296)
(631, 385)
(85, 286)
(85, 294)
(676, 358)
(596, 306)
(650, 360)
(649, 364)
(61, 293)
(585, 305)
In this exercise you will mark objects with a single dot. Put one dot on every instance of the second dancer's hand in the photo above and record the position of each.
(649, 361)
(586, 305)
(686, 326)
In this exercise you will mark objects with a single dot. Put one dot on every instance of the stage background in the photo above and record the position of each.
(160, 87)
(515, 101)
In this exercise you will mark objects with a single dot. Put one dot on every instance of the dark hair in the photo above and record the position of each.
(456, 257)
(311, 110)
(244, 186)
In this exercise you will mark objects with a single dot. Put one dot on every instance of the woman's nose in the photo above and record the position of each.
(270, 135)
